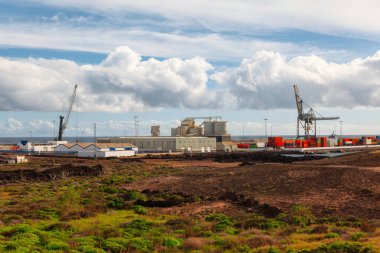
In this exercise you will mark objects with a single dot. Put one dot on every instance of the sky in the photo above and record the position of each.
(166, 60)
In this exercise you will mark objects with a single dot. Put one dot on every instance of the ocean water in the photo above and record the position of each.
(41, 140)
(15, 140)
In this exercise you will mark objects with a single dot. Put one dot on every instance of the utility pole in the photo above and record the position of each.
(95, 141)
(243, 134)
(341, 127)
(271, 131)
(53, 129)
(136, 126)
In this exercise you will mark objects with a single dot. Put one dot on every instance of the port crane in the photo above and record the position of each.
(307, 120)
(63, 120)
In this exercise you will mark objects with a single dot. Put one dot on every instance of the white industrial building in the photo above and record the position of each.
(212, 126)
(167, 144)
(98, 149)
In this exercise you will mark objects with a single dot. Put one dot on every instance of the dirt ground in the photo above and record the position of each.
(345, 186)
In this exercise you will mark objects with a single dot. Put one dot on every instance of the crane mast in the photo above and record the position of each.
(307, 120)
(64, 120)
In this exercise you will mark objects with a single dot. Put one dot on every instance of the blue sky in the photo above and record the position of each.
(165, 61)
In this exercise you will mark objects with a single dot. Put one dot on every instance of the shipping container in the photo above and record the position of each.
(243, 145)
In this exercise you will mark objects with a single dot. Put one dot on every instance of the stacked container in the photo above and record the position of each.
(289, 143)
(323, 141)
(276, 142)
(243, 145)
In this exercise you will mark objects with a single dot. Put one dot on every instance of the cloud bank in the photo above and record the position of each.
(124, 82)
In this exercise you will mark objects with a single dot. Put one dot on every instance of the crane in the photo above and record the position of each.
(307, 120)
(63, 120)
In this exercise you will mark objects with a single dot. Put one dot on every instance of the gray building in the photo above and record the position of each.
(166, 144)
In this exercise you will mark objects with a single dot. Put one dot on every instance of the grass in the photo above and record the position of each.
(75, 215)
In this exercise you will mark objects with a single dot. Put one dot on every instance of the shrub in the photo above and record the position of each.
(141, 244)
(273, 250)
(118, 180)
(138, 227)
(332, 235)
(134, 195)
(172, 242)
(272, 224)
(302, 215)
(26, 239)
(139, 224)
(140, 209)
(243, 249)
(70, 200)
(116, 245)
(109, 189)
(90, 249)
(47, 213)
(222, 221)
(207, 233)
(346, 247)
(357, 236)
(116, 203)
(57, 245)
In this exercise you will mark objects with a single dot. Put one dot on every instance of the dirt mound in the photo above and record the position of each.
(49, 174)
(244, 157)
(270, 188)
(361, 159)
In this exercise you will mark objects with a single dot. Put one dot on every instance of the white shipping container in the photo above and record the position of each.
(260, 144)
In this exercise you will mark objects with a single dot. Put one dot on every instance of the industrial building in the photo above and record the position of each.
(212, 126)
(99, 149)
(167, 144)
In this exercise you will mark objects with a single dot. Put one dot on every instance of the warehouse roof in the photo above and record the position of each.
(99, 145)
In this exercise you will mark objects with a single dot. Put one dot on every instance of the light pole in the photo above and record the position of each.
(136, 126)
(341, 127)
(95, 141)
(53, 129)
(266, 131)
(243, 134)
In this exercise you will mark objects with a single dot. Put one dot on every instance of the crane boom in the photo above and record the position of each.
(64, 120)
(307, 120)
(298, 100)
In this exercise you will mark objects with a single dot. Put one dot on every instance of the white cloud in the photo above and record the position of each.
(122, 82)
(11, 126)
(151, 43)
(265, 81)
(355, 18)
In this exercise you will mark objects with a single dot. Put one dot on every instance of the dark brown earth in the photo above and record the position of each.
(344, 186)
(48, 174)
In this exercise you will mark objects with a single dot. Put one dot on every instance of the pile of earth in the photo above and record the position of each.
(325, 186)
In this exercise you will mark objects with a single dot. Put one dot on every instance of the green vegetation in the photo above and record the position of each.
(101, 214)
